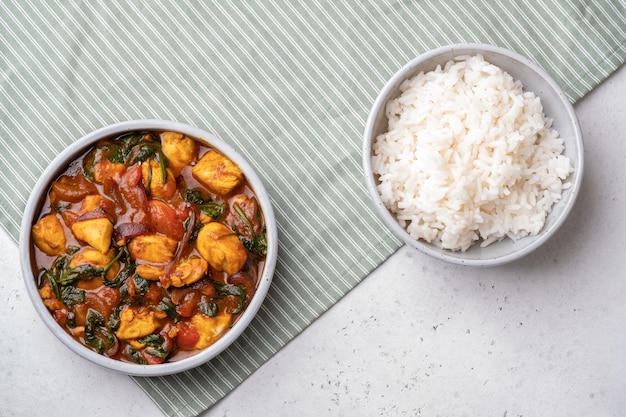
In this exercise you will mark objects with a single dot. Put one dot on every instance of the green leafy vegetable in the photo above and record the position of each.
(108, 150)
(82, 272)
(139, 147)
(141, 285)
(169, 308)
(206, 205)
(257, 243)
(72, 249)
(54, 274)
(238, 291)
(146, 150)
(123, 274)
(114, 318)
(129, 141)
(60, 206)
(97, 336)
(135, 356)
(71, 295)
(151, 340)
(62, 274)
(155, 345)
(208, 308)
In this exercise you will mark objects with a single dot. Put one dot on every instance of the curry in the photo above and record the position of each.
(149, 246)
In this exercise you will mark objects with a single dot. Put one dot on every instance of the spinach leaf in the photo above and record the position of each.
(141, 285)
(112, 152)
(83, 272)
(114, 318)
(146, 150)
(60, 206)
(169, 308)
(152, 340)
(60, 274)
(155, 345)
(109, 150)
(50, 276)
(257, 243)
(129, 141)
(124, 273)
(97, 336)
(206, 205)
(193, 196)
(208, 308)
(135, 356)
(53, 274)
(238, 291)
(71, 295)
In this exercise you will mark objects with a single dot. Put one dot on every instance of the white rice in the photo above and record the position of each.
(468, 156)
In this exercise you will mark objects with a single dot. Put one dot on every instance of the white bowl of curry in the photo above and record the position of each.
(148, 246)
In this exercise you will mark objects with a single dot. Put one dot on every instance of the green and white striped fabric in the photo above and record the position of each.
(289, 84)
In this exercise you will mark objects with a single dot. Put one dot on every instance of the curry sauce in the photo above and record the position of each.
(149, 246)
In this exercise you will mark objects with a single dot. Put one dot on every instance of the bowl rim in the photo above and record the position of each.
(74, 150)
(378, 106)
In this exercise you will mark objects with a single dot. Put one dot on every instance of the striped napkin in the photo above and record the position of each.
(289, 84)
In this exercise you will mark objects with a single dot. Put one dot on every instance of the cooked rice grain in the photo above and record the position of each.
(469, 155)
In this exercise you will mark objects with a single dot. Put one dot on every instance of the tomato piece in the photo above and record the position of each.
(206, 288)
(168, 342)
(73, 188)
(131, 189)
(230, 304)
(154, 294)
(104, 300)
(69, 217)
(111, 188)
(187, 337)
(61, 317)
(165, 220)
(100, 203)
(245, 280)
(188, 304)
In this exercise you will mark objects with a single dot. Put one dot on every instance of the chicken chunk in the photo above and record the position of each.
(49, 236)
(179, 150)
(136, 323)
(210, 328)
(49, 299)
(97, 202)
(218, 173)
(152, 248)
(221, 248)
(184, 272)
(105, 169)
(95, 232)
(153, 180)
(150, 272)
(187, 271)
(89, 256)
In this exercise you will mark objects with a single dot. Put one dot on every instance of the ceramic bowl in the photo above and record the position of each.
(556, 107)
(37, 198)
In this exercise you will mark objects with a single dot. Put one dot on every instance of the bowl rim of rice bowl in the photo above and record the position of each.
(559, 116)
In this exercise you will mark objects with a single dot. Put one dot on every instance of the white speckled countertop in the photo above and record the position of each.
(545, 336)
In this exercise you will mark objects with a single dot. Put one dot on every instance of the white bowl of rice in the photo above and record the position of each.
(473, 154)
